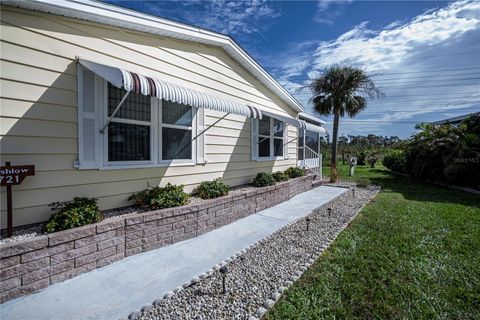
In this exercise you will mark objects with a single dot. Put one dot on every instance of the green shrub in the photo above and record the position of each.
(446, 153)
(160, 197)
(394, 160)
(361, 157)
(372, 159)
(295, 172)
(212, 189)
(264, 179)
(72, 214)
(280, 176)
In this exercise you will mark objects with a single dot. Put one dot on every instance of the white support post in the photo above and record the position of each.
(319, 158)
(304, 146)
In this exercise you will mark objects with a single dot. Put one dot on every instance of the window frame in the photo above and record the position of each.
(162, 125)
(301, 138)
(156, 126)
(257, 136)
(272, 123)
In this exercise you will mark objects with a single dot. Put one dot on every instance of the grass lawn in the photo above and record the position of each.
(413, 253)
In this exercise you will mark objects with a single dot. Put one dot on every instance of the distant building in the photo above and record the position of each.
(455, 120)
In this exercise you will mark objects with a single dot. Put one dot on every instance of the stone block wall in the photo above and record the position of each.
(33, 264)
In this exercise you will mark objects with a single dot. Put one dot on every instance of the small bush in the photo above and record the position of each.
(72, 214)
(280, 176)
(160, 198)
(372, 159)
(212, 189)
(395, 160)
(295, 172)
(361, 157)
(264, 179)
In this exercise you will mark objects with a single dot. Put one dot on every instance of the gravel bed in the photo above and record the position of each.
(257, 276)
(21, 234)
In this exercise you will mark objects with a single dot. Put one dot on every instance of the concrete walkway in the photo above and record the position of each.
(114, 291)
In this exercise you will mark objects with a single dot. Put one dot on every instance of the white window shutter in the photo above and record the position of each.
(87, 119)
(285, 139)
(254, 131)
(201, 157)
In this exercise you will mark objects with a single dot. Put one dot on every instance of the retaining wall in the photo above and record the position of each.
(33, 264)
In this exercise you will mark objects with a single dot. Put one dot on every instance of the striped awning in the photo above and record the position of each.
(135, 82)
(294, 122)
(301, 124)
(313, 128)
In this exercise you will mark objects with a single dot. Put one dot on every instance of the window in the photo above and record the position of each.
(307, 140)
(143, 132)
(129, 132)
(312, 140)
(176, 131)
(146, 130)
(269, 133)
(264, 133)
(278, 128)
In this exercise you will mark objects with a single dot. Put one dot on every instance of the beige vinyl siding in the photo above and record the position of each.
(38, 108)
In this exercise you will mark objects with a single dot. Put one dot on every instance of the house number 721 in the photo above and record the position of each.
(10, 179)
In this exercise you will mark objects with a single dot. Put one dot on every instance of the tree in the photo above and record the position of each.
(339, 90)
(343, 142)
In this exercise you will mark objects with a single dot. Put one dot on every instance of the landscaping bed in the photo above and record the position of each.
(31, 264)
(35, 230)
(257, 276)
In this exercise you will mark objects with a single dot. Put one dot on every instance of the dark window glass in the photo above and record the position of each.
(300, 138)
(278, 128)
(312, 140)
(300, 154)
(264, 126)
(176, 113)
(264, 147)
(135, 107)
(176, 144)
(128, 142)
(277, 147)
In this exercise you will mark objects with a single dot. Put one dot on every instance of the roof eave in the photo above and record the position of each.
(119, 17)
(313, 118)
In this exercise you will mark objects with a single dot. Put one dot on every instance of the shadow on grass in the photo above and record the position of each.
(417, 190)
(410, 254)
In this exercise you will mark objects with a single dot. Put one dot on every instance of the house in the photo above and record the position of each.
(455, 120)
(105, 102)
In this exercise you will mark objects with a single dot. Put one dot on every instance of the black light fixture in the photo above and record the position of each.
(329, 211)
(353, 192)
(308, 223)
(223, 271)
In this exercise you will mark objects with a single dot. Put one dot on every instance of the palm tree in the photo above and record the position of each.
(339, 90)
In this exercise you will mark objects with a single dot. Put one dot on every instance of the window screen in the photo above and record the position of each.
(129, 132)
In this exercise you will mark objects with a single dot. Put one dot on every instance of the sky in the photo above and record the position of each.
(423, 55)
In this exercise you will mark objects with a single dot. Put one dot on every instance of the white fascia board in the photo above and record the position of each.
(310, 117)
(124, 18)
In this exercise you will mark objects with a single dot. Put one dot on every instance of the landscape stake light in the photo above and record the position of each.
(353, 192)
(329, 211)
(308, 223)
(223, 271)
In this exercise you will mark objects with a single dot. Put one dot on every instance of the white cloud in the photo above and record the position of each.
(228, 17)
(378, 50)
(406, 59)
(329, 10)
